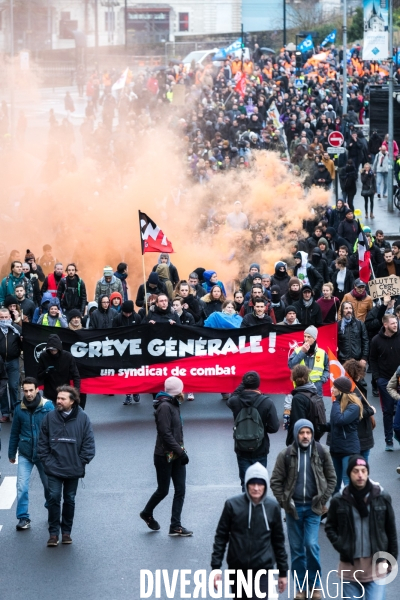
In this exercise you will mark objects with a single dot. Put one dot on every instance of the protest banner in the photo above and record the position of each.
(138, 359)
(384, 286)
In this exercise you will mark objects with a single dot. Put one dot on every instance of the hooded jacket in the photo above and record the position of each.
(173, 271)
(309, 273)
(281, 279)
(349, 230)
(56, 370)
(253, 532)
(121, 321)
(25, 429)
(104, 288)
(52, 321)
(304, 471)
(47, 297)
(207, 285)
(71, 292)
(86, 318)
(159, 289)
(102, 318)
(66, 445)
(241, 398)
(336, 241)
(340, 527)
(169, 425)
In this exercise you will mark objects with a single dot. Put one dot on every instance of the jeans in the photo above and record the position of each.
(365, 454)
(387, 404)
(382, 182)
(55, 489)
(340, 465)
(303, 541)
(245, 463)
(25, 467)
(12, 368)
(165, 472)
(371, 200)
(352, 589)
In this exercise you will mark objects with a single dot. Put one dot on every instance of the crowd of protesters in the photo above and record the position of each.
(232, 113)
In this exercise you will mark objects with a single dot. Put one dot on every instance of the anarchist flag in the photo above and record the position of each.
(152, 238)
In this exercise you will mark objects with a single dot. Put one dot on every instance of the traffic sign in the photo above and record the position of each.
(333, 150)
(336, 139)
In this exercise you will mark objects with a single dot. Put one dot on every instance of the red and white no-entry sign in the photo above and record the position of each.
(336, 139)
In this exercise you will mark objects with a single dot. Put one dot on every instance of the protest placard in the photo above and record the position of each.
(384, 286)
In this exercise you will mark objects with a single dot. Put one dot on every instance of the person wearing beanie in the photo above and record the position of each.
(210, 280)
(108, 284)
(251, 526)
(313, 357)
(116, 301)
(309, 273)
(153, 287)
(308, 311)
(349, 228)
(35, 270)
(74, 320)
(247, 282)
(327, 253)
(248, 306)
(11, 302)
(293, 293)
(280, 277)
(247, 395)
(302, 481)
(170, 457)
(277, 304)
(47, 260)
(290, 317)
(346, 413)
(56, 367)
(360, 523)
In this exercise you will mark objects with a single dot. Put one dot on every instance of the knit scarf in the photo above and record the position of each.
(357, 295)
(359, 498)
(308, 303)
(344, 323)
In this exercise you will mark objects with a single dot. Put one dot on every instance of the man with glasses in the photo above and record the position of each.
(10, 350)
(102, 317)
(9, 283)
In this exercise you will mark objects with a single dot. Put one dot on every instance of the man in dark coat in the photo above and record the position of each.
(352, 336)
(66, 446)
(71, 291)
(349, 229)
(56, 367)
(103, 316)
(248, 395)
(161, 312)
(251, 526)
(153, 286)
(307, 309)
(10, 351)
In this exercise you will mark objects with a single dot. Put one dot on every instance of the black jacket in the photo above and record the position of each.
(320, 267)
(3, 379)
(241, 398)
(301, 403)
(186, 318)
(56, 370)
(169, 425)
(384, 355)
(382, 270)
(159, 289)
(339, 525)
(365, 432)
(194, 307)
(349, 230)
(314, 277)
(173, 271)
(373, 320)
(209, 306)
(251, 320)
(66, 445)
(72, 293)
(308, 315)
(250, 547)
(348, 283)
(120, 320)
(353, 342)
(28, 308)
(100, 318)
(160, 316)
(336, 240)
(10, 345)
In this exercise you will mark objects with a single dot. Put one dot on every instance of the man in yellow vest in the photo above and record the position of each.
(312, 357)
(54, 317)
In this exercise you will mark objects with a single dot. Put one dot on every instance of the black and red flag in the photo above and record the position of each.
(152, 238)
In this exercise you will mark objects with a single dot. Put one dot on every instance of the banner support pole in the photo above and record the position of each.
(144, 284)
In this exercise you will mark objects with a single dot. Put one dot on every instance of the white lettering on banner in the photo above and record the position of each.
(169, 348)
(175, 371)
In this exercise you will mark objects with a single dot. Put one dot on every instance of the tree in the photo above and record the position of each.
(356, 29)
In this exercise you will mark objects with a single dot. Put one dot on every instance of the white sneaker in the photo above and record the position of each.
(190, 396)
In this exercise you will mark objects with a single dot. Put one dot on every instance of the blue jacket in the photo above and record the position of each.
(344, 429)
(25, 429)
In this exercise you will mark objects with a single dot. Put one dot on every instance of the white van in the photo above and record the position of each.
(202, 57)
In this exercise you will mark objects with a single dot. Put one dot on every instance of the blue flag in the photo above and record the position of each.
(330, 38)
(306, 44)
(223, 52)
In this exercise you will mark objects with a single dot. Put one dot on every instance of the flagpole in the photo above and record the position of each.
(143, 266)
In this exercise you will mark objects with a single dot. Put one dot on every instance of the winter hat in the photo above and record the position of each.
(254, 266)
(289, 309)
(116, 295)
(280, 264)
(305, 287)
(275, 291)
(313, 331)
(251, 380)
(127, 306)
(348, 210)
(29, 255)
(10, 300)
(343, 384)
(256, 480)
(356, 461)
(298, 255)
(173, 386)
(317, 252)
(322, 241)
(367, 229)
(153, 279)
(73, 313)
(256, 276)
(293, 280)
(108, 271)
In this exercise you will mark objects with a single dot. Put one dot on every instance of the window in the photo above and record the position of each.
(183, 21)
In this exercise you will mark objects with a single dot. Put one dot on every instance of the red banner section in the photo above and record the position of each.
(138, 360)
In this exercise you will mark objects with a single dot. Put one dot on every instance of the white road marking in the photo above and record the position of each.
(8, 492)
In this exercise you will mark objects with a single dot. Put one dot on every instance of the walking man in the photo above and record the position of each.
(251, 526)
(66, 446)
(360, 523)
(170, 457)
(302, 481)
(24, 437)
(56, 367)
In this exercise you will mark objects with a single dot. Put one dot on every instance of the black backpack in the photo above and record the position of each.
(317, 415)
(248, 429)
